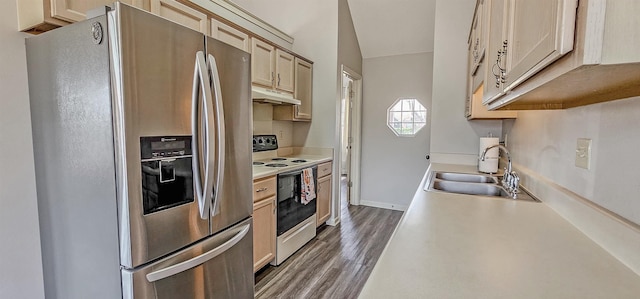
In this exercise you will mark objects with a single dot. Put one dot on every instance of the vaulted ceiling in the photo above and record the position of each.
(393, 27)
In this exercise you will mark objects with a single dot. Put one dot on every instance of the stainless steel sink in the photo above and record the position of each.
(470, 188)
(465, 177)
(472, 184)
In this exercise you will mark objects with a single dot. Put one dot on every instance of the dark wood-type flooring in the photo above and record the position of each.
(337, 262)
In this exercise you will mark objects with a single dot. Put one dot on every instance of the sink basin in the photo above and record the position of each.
(473, 189)
(465, 177)
(472, 184)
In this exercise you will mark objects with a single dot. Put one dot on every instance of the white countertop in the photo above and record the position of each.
(464, 246)
(262, 171)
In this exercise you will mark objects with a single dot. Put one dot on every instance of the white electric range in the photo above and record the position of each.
(295, 218)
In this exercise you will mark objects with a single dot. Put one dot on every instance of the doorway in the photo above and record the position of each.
(349, 144)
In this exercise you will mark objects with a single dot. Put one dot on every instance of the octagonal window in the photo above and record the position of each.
(406, 117)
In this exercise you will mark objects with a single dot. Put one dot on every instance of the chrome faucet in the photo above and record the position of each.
(510, 180)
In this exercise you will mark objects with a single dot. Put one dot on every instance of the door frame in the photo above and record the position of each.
(356, 129)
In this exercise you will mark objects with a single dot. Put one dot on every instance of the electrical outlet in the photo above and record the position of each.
(583, 153)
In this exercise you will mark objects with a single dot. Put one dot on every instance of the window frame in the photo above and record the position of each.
(413, 122)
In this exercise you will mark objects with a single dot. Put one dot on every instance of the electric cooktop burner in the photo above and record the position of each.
(258, 163)
(276, 165)
(299, 161)
(278, 159)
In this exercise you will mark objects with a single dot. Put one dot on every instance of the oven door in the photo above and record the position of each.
(290, 210)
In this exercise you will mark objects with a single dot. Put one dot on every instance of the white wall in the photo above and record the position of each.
(545, 142)
(453, 138)
(20, 259)
(349, 52)
(392, 166)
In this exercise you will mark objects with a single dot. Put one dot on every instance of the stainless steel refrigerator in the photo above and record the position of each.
(141, 134)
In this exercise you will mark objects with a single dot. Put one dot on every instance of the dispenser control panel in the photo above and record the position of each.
(165, 147)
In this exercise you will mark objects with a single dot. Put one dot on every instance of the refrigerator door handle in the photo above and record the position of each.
(201, 80)
(220, 133)
(198, 260)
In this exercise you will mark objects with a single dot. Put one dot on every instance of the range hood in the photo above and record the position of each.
(263, 95)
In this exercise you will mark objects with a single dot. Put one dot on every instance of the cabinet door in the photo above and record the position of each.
(303, 89)
(481, 31)
(181, 14)
(470, 73)
(264, 232)
(537, 36)
(323, 200)
(76, 10)
(262, 63)
(495, 60)
(284, 71)
(478, 33)
(230, 35)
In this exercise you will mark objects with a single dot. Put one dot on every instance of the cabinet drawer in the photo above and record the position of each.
(324, 169)
(264, 188)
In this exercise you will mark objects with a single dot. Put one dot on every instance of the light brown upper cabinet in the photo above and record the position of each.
(495, 60)
(230, 35)
(41, 15)
(284, 71)
(262, 63)
(271, 67)
(542, 72)
(303, 91)
(529, 35)
(540, 32)
(477, 67)
(181, 14)
(478, 35)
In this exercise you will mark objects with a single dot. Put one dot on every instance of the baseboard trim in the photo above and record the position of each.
(333, 221)
(383, 205)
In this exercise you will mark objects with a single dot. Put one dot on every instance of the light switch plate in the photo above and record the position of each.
(583, 153)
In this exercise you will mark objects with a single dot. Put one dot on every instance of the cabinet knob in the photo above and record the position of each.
(262, 189)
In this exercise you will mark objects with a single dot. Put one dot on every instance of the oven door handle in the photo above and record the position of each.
(292, 173)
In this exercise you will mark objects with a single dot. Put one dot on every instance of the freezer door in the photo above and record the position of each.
(231, 89)
(218, 267)
(153, 62)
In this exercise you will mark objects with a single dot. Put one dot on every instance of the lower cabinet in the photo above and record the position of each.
(323, 197)
(264, 232)
(264, 222)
